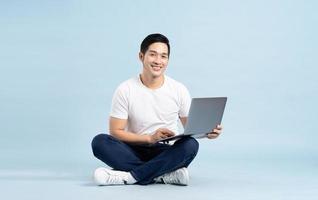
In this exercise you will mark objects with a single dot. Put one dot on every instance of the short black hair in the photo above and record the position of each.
(153, 38)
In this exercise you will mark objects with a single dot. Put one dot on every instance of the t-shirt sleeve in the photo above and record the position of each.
(185, 102)
(119, 106)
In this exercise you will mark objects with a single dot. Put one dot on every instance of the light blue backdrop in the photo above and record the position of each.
(61, 61)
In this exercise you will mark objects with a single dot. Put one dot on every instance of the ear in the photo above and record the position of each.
(141, 56)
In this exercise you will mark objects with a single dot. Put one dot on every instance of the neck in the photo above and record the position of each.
(152, 82)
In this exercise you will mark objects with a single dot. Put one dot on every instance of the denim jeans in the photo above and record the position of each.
(144, 162)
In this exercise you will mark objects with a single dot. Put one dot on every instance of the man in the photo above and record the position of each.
(144, 110)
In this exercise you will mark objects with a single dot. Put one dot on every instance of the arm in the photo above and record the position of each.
(117, 130)
(183, 121)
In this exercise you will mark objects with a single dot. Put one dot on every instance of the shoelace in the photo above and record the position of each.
(115, 179)
(172, 178)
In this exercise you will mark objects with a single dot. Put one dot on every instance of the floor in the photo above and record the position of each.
(238, 178)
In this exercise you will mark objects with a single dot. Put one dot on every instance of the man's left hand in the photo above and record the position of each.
(215, 132)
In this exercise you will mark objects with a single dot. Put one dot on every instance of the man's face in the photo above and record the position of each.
(155, 60)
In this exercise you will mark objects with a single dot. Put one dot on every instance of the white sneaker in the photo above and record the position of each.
(178, 177)
(104, 176)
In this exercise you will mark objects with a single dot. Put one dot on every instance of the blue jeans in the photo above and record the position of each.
(144, 162)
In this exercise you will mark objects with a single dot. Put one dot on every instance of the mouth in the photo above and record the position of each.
(156, 68)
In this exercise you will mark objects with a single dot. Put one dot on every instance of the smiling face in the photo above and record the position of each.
(155, 60)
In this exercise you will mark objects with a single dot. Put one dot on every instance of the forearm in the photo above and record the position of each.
(130, 137)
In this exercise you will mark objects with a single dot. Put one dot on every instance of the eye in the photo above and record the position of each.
(165, 57)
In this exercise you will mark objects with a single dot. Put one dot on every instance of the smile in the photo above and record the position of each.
(156, 68)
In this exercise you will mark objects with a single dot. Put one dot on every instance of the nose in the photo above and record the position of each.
(157, 60)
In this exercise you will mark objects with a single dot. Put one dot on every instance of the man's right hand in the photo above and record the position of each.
(159, 134)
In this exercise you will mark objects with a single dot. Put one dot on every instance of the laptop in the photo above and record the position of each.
(204, 115)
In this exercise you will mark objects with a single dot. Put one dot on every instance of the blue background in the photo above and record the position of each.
(61, 61)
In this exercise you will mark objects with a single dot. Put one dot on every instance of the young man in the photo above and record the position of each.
(144, 110)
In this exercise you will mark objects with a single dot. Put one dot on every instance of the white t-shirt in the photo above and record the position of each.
(149, 109)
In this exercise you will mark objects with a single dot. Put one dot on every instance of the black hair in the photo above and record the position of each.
(152, 38)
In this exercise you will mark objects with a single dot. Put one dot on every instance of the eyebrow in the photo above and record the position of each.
(153, 51)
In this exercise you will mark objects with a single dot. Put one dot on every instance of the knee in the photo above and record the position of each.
(98, 142)
(191, 146)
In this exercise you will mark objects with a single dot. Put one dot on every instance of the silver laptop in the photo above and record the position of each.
(204, 115)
